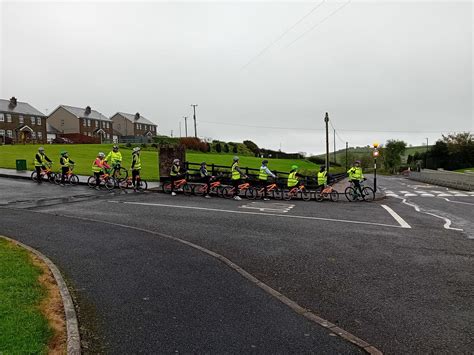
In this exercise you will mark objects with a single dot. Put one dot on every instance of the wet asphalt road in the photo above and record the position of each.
(405, 290)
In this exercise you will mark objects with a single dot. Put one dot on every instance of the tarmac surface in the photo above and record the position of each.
(396, 273)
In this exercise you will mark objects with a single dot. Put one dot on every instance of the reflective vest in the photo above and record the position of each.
(137, 160)
(322, 178)
(42, 160)
(64, 162)
(98, 165)
(292, 180)
(114, 157)
(263, 173)
(235, 172)
(174, 170)
(355, 173)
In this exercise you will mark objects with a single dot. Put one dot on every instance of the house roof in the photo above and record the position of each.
(20, 108)
(80, 112)
(131, 117)
(51, 129)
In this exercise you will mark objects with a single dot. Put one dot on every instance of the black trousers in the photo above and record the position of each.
(235, 184)
(173, 179)
(357, 186)
(97, 178)
(263, 184)
(64, 171)
(135, 173)
(38, 169)
(207, 181)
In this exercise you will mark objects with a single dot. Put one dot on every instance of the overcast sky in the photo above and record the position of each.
(381, 69)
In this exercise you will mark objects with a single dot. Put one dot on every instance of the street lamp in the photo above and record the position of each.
(375, 154)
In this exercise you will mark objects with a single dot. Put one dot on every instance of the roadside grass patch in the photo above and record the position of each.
(24, 304)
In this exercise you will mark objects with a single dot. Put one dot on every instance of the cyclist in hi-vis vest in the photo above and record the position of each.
(40, 163)
(205, 177)
(175, 174)
(114, 158)
(98, 168)
(65, 164)
(293, 177)
(236, 177)
(136, 166)
(263, 178)
(323, 177)
(356, 175)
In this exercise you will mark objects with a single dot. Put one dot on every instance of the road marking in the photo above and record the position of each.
(427, 195)
(397, 217)
(409, 194)
(447, 221)
(464, 203)
(404, 192)
(269, 207)
(443, 195)
(461, 195)
(257, 213)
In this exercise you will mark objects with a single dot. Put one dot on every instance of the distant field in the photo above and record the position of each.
(84, 154)
(465, 169)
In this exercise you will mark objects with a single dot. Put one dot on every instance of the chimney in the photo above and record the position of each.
(88, 110)
(137, 116)
(13, 102)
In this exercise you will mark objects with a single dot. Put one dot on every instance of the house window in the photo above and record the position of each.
(96, 123)
(107, 124)
(33, 135)
(2, 117)
(33, 121)
(21, 119)
(84, 123)
(38, 121)
(108, 136)
(2, 132)
(88, 123)
(62, 122)
(9, 117)
(40, 135)
(9, 133)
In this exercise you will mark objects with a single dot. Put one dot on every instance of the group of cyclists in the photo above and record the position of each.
(110, 163)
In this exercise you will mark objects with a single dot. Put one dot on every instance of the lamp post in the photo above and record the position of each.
(375, 154)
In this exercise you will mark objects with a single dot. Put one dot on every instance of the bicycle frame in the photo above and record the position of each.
(270, 188)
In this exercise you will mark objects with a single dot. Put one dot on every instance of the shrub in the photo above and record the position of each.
(192, 143)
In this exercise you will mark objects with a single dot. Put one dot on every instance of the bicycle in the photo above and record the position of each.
(181, 184)
(106, 180)
(228, 191)
(295, 191)
(215, 188)
(70, 178)
(352, 193)
(140, 184)
(326, 193)
(119, 173)
(45, 174)
(272, 191)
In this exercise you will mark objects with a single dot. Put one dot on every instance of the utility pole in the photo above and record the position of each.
(171, 133)
(195, 129)
(335, 160)
(185, 125)
(347, 145)
(426, 154)
(326, 120)
(180, 136)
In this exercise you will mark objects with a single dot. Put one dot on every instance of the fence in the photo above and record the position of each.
(445, 178)
(225, 171)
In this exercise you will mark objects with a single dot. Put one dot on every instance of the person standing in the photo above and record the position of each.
(236, 177)
(136, 166)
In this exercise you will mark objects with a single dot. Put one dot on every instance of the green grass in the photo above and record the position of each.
(465, 169)
(23, 329)
(82, 154)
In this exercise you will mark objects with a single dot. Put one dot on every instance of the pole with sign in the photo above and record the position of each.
(375, 154)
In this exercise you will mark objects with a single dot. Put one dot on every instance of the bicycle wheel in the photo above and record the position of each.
(34, 176)
(142, 185)
(166, 187)
(123, 184)
(251, 193)
(50, 177)
(200, 189)
(318, 196)
(74, 179)
(351, 194)
(334, 196)
(121, 174)
(305, 195)
(228, 192)
(218, 190)
(57, 179)
(277, 194)
(187, 189)
(287, 195)
(110, 183)
(368, 194)
(91, 181)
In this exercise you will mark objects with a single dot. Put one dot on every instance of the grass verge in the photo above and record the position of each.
(31, 312)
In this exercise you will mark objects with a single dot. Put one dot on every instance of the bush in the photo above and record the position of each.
(128, 145)
(218, 147)
(226, 148)
(192, 143)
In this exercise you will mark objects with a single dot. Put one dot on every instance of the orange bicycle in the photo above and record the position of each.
(140, 184)
(228, 192)
(326, 193)
(272, 191)
(215, 188)
(105, 180)
(179, 185)
(46, 174)
(297, 191)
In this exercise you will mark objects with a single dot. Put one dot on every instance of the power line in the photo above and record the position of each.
(282, 35)
(321, 22)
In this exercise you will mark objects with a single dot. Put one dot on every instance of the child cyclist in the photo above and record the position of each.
(98, 168)
(263, 177)
(40, 163)
(293, 177)
(356, 175)
(205, 177)
(175, 174)
(65, 162)
(136, 166)
(236, 177)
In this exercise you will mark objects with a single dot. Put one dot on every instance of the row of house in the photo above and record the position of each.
(20, 122)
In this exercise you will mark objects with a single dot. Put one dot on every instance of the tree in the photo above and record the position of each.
(218, 147)
(226, 148)
(235, 149)
(393, 155)
(252, 146)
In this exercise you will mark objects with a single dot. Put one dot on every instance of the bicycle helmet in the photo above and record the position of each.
(322, 168)
(63, 152)
(236, 158)
(101, 154)
(294, 167)
(175, 161)
(357, 162)
(203, 163)
(136, 149)
(265, 162)
(40, 149)
(115, 147)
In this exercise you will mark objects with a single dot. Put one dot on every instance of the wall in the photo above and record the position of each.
(461, 181)
(64, 121)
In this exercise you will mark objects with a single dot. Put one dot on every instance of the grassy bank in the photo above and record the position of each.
(23, 328)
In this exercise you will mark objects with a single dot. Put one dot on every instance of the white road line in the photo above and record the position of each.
(397, 217)
(404, 192)
(257, 213)
(461, 195)
(447, 221)
(444, 195)
(461, 202)
(427, 195)
(408, 195)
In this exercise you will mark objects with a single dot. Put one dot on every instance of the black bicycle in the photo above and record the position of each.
(353, 194)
